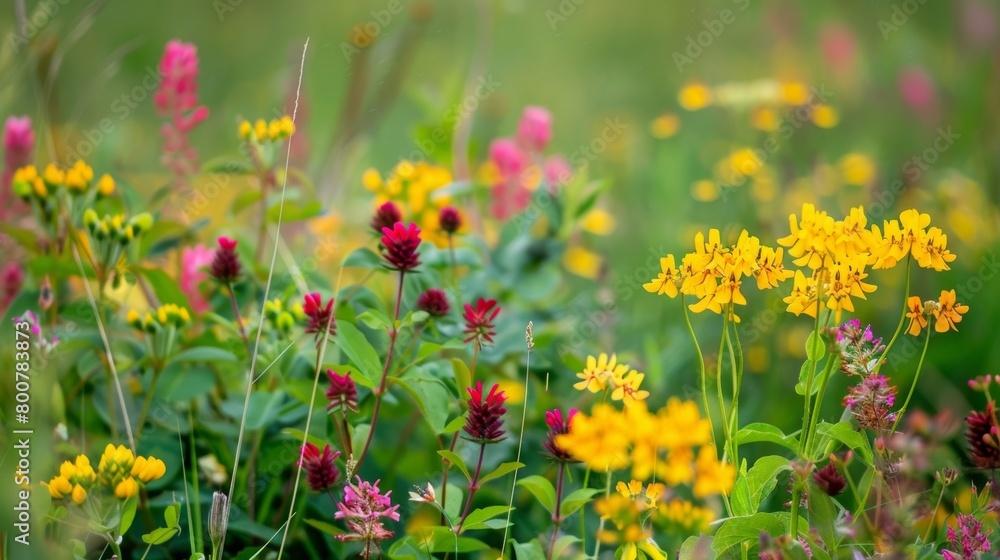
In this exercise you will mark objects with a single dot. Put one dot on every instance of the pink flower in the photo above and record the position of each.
(557, 172)
(11, 280)
(838, 45)
(362, 510)
(479, 321)
(509, 159)
(177, 98)
(193, 260)
(400, 245)
(321, 472)
(917, 89)
(18, 142)
(534, 130)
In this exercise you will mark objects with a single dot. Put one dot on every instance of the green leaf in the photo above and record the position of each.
(363, 257)
(236, 165)
(442, 539)
(294, 211)
(576, 500)
(542, 489)
(244, 200)
(428, 349)
(502, 470)
(361, 353)
(432, 398)
(738, 530)
(529, 550)
(375, 318)
(328, 528)
(164, 287)
(26, 238)
(823, 515)
(262, 411)
(800, 387)
(753, 486)
(128, 513)
(205, 354)
(696, 548)
(477, 518)
(456, 460)
(172, 515)
(160, 535)
(181, 384)
(763, 432)
(463, 377)
(454, 426)
(815, 348)
(845, 433)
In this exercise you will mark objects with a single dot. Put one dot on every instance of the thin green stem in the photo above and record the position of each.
(718, 385)
(734, 412)
(913, 386)
(583, 518)
(902, 317)
(473, 488)
(147, 401)
(824, 380)
(806, 409)
(597, 542)
(556, 517)
(931, 523)
(701, 369)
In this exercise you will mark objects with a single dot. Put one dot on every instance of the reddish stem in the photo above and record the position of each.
(556, 518)
(473, 487)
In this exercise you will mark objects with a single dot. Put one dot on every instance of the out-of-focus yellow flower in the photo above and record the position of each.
(857, 169)
(415, 188)
(682, 426)
(757, 358)
(600, 441)
(711, 475)
(665, 126)
(625, 516)
(106, 185)
(53, 176)
(598, 222)
(513, 389)
(687, 516)
(824, 116)
(705, 190)
(794, 93)
(764, 118)
(371, 179)
(78, 177)
(73, 481)
(694, 96)
(582, 262)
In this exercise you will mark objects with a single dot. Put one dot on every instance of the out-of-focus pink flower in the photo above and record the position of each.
(917, 89)
(177, 98)
(11, 280)
(508, 157)
(534, 130)
(18, 142)
(193, 260)
(838, 45)
(979, 21)
(557, 172)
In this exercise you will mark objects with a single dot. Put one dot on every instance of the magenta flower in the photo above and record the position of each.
(860, 351)
(871, 402)
(508, 157)
(434, 302)
(479, 321)
(830, 480)
(177, 99)
(983, 436)
(534, 130)
(320, 316)
(969, 541)
(11, 280)
(343, 392)
(18, 142)
(362, 509)
(321, 472)
(386, 216)
(449, 219)
(485, 421)
(557, 425)
(193, 261)
(226, 263)
(400, 246)
(557, 172)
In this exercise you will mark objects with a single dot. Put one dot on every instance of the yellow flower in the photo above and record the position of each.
(686, 515)
(59, 487)
(148, 469)
(73, 480)
(711, 475)
(857, 169)
(53, 175)
(127, 488)
(694, 96)
(599, 372)
(681, 425)
(79, 494)
(600, 441)
(632, 490)
(245, 130)
(948, 311)
(260, 130)
(794, 93)
(598, 222)
(824, 116)
(808, 240)
(916, 314)
(582, 262)
(705, 190)
(667, 280)
(627, 388)
(679, 467)
(106, 185)
(932, 251)
(764, 118)
(768, 268)
(116, 464)
(665, 126)
(803, 296)
(643, 499)
(371, 179)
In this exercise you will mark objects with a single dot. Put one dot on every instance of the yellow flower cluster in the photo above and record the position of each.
(626, 516)
(77, 180)
(261, 130)
(604, 373)
(685, 515)
(714, 272)
(168, 315)
(838, 251)
(651, 500)
(119, 470)
(946, 311)
(116, 228)
(414, 187)
(280, 320)
(661, 445)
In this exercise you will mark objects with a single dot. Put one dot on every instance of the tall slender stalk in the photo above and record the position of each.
(701, 369)
(454, 437)
(530, 344)
(913, 386)
(902, 317)
(556, 517)
(597, 543)
(473, 488)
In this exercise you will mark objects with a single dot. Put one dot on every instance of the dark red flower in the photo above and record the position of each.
(485, 421)
(386, 216)
(830, 480)
(982, 435)
(319, 315)
(226, 263)
(479, 321)
(400, 246)
(321, 472)
(343, 392)
(434, 302)
(450, 219)
(557, 426)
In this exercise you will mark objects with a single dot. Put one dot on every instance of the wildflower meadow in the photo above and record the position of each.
(499, 280)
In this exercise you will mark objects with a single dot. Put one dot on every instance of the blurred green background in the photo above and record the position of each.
(898, 73)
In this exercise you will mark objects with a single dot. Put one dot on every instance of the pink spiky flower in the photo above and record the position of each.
(363, 508)
(320, 316)
(400, 245)
(434, 302)
(485, 421)
(558, 425)
(343, 392)
(479, 321)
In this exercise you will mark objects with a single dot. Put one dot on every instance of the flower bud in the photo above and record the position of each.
(218, 521)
